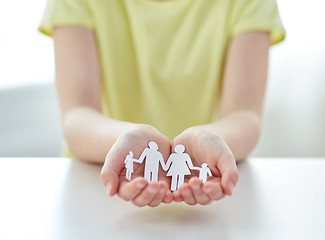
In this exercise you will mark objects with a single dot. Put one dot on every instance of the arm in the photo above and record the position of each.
(189, 162)
(169, 161)
(142, 156)
(162, 162)
(243, 90)
(89, 134)
(126, 159)
(196, 168)
(209, 172)
(232, 137)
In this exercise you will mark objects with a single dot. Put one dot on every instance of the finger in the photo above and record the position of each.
(163, 187)
(147, 195)
(187, 194)
(228, 168)
(109, 174)
(200, 196)
(177, 197)
(110, 180)
(213, 190)
(130, 190)
(168, 197)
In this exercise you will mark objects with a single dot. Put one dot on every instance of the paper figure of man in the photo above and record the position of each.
(204, 171)
(153, 158)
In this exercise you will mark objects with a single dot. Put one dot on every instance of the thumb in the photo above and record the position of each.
(229, 172)
(110, 173)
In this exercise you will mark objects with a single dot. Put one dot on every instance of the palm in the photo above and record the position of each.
(205, 146)
(121, 165)
(195, 173)
(201, 150)
(139, 172)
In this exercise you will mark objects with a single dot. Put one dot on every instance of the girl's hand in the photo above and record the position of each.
(204, 146)
(138, 190)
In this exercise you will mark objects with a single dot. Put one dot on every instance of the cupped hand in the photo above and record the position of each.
(138, 190)
(205, 146)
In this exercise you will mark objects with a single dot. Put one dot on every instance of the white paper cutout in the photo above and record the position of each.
(153, 158)
(178, 165)
(204, 171)
(129, 165)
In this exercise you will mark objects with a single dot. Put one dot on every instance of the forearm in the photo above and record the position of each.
(243, 92)
(89, 134)
(240, 129)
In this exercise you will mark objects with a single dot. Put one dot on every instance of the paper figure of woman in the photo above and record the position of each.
(180, 164)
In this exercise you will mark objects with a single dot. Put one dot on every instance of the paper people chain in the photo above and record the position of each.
(178, 165)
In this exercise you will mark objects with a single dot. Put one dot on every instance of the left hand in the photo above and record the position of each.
(205, 146)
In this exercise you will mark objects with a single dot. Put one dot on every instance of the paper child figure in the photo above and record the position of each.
(153, 157)
(129, 165)
(204, 171)
(179, 164)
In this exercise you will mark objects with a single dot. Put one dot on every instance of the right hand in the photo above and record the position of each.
(138, 190)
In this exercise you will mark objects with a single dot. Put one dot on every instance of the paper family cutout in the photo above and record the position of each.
(178, 165)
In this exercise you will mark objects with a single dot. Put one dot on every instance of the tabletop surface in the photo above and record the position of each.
(59, 198)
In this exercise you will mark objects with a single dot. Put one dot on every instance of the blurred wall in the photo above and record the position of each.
(29, 122)
(294, 116)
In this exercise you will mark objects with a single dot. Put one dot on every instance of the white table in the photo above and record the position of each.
(58, 198)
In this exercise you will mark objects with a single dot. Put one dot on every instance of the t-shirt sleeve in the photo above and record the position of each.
(65, 12)
(257, 15)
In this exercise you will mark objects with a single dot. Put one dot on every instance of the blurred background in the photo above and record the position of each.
(294, 116)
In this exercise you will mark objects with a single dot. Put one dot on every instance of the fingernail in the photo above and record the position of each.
(140, 185)
(108, 188)
(231, 187)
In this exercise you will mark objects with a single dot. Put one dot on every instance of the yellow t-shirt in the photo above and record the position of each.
(162, 61)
